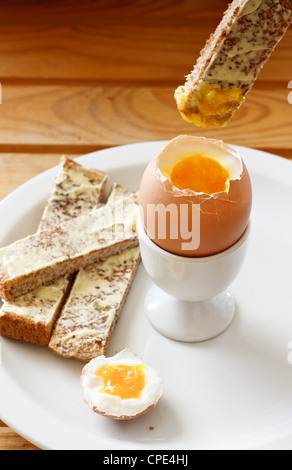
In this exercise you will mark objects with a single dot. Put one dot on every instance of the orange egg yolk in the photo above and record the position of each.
(201, 174)
(122, 380)
(210, 106)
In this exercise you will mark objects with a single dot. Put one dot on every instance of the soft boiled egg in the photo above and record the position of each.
(121, 387)
(195, 197)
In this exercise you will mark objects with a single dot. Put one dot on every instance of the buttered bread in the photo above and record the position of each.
(31, 316)
(65, 248)
(231, 60)
(96, 299)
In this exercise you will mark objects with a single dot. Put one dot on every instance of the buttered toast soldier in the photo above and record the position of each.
(231, 60)
(65, 248)
(97, 297)
(75, 191)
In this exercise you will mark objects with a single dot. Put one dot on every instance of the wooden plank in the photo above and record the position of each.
(116, 52)
(16, 169)
(46, 11)
(58, 118)
(102, 42)
(105, 52)
(10, 440)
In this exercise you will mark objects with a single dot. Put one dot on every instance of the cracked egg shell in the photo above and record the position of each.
(168, 212)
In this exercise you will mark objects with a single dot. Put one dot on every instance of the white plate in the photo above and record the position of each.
(231, 392)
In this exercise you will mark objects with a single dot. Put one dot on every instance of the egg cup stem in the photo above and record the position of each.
(189, 321)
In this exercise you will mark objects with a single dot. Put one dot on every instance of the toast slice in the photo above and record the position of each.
(30, 317)
(95, 302)
(231, 60)
(64, 249)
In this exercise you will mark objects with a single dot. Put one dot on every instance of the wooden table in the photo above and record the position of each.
(82, 76)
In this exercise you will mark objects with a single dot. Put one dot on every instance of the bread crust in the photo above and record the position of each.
(30, 328)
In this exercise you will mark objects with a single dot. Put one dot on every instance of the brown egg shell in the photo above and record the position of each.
(223, 216)
(124, 417)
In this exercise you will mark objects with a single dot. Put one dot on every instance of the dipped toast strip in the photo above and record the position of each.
(231, 60)
(31, 316)
(95, 302)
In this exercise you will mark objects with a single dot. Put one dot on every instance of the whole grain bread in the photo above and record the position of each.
(94, 305)
(65, 248)
(31, 316)
(232, 59)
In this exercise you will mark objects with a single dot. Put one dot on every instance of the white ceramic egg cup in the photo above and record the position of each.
(189, 300)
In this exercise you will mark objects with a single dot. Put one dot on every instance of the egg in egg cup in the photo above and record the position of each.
(190, 298)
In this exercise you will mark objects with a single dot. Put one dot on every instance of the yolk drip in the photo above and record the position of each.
(209, 106)
(122, 380)
(217, 101)
(201, 174)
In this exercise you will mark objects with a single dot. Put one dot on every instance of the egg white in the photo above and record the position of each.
(111, 405)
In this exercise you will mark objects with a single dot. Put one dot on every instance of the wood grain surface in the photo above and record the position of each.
(82, 76)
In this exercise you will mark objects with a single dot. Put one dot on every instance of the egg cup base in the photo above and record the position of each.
(188, 321)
